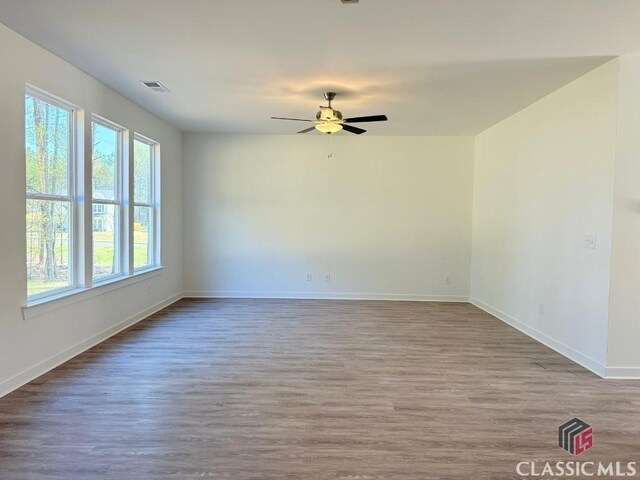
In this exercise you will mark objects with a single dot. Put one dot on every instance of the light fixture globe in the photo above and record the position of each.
(328, 127)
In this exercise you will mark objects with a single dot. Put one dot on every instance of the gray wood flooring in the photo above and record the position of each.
(311, 389)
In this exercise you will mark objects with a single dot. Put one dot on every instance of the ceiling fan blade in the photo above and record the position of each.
(370, 118)
(356, 130)
(307, 130)
(293, 119)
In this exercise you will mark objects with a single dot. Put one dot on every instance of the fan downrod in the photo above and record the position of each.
(329, 96)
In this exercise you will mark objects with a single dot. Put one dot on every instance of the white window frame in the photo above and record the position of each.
(120, 194)
(154, 204)
(81, 283)
(71, 198)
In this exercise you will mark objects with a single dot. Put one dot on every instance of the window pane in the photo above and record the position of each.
(47, 147)
(48, 246)
(106, 257)
(105, 161)
(142, 157)
(142, 237)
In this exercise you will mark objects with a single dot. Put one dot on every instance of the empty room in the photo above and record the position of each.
(319, 239)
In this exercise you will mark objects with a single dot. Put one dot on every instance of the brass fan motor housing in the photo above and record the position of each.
(323, 115)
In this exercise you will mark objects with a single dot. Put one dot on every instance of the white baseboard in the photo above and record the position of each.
(41, 368)
(588, 363)
(327, 296)
(623, 373)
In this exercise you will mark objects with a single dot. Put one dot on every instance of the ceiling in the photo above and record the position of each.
(435, 67)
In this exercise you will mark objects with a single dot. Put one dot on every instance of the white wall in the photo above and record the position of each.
(624, 313)
(387, 217)
(30, 347)
(544, 180)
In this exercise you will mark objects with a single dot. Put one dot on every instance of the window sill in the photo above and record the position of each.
(43, 306)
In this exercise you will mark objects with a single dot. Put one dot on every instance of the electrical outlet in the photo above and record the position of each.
(309, 277)
(327, 277)
(590, 241)
(448, 279)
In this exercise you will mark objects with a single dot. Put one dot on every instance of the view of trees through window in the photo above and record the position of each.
(143, 210)
(48, 142)
(106, 155)
(54, 207)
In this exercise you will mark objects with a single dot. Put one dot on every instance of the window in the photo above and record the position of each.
(87, 222)
(107, 206)
(51, 201)
(145, 212)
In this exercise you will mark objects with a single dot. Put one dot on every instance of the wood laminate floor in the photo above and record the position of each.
(311, 389)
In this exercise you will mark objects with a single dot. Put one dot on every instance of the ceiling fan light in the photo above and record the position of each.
(329, 127)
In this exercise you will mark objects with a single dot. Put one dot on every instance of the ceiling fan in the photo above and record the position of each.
(330, 121)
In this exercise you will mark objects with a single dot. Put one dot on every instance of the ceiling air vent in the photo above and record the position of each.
(155, 86)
